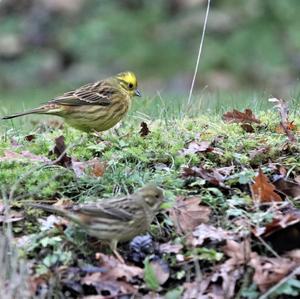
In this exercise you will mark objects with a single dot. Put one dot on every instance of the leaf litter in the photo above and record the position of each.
(251, 243)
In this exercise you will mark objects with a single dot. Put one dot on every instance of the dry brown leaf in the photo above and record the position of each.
(263, 190)
(59, 151)
(161, 270)
(30, 138)
(248, 128)
(117, 279)
(170, 248)
(294, 255)
(239, 253)
(98, 168)
(188, 213)
(269, 271)
(205, 232)
(288, 187)
(213, 177)
(259, 151)
(144, 131)
(236, 116)
(285, 126)
(92, 167)
(283, 232)
(222, 281)
(24, 155)
(117, 270)
(113, 288)
(297, 179)
(197, 147)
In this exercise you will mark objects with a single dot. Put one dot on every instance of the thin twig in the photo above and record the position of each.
(199, 54)
(280, 283)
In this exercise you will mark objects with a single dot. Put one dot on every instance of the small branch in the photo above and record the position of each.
(280, 283)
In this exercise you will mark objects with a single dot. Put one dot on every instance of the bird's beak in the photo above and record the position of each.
(137, 93)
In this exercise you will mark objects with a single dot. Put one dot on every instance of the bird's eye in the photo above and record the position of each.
(130, 85)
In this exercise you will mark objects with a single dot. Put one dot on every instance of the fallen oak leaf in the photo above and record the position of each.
(187, 213)
(236, 116)
(262, 190)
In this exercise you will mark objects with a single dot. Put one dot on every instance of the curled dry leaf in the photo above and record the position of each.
(59, 151)
(144, 131)
(188, 213)
(236, 116)
(30, 138)
(263, 190)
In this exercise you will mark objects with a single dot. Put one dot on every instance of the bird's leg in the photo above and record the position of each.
(97, 134)
(117, 132)
(113, 246)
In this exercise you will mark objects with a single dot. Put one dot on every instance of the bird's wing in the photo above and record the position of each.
(107, 211)
(98, 93)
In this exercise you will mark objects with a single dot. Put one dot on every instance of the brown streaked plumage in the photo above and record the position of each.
(93, 107)
(116, 219)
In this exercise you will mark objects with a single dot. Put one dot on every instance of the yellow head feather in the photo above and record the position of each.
(128, 81)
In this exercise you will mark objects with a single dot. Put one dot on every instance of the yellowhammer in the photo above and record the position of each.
(114, 219)
(95, 106)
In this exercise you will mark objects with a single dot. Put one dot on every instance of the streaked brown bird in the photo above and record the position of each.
(93, 107)
(115, 219)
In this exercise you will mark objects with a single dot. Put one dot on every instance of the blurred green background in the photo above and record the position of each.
(49, 46)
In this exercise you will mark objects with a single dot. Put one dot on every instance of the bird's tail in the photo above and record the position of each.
(36, 110)
(58, 211)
